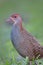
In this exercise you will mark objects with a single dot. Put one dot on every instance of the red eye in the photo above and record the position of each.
(15, 16)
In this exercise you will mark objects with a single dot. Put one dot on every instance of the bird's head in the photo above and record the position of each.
(13, 19)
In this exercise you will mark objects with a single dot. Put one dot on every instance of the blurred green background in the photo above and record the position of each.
(32, 14)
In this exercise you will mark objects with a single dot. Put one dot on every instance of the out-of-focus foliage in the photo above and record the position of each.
(31, 11)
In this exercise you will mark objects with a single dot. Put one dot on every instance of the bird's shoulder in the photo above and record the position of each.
(29, 38)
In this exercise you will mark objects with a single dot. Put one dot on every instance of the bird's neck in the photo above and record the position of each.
(16, 34)
(19, 24)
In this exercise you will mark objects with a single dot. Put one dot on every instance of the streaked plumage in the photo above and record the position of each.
(23, 41)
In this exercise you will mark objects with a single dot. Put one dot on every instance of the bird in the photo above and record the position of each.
(25, 43)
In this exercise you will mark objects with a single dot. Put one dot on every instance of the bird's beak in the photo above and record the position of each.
(10, 21)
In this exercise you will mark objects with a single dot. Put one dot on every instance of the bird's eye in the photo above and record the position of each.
(14, 16)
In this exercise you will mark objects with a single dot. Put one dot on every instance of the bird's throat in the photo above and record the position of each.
(19, 24)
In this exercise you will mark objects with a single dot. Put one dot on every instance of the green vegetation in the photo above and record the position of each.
(31, 11)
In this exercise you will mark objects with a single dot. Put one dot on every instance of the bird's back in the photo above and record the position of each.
(31, 43)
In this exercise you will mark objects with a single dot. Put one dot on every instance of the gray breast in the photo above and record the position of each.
(16, 35)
